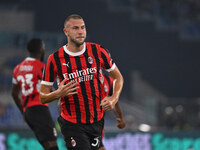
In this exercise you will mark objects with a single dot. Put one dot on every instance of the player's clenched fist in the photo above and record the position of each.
(107, 103)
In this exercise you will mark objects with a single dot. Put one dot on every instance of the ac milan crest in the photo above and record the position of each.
(90, 59)
(73, 142)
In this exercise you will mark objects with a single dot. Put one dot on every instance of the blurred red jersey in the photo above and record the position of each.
(108, 85)
(28, 75)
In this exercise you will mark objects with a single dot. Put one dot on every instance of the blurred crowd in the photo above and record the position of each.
(181, 14)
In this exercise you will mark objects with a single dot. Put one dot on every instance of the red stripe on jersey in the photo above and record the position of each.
(55, 71)
(99, 112)
(71, 103)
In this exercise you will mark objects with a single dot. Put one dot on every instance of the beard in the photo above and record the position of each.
(76, 42)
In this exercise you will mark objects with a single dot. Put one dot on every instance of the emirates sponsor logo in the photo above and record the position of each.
(81, 75)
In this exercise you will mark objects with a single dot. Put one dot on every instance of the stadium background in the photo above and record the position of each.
(156, 45)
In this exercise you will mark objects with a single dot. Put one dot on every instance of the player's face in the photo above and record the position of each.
(75, 31)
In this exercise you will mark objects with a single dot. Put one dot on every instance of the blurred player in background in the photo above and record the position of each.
(26, 80)
(77, 64)
(108, 89)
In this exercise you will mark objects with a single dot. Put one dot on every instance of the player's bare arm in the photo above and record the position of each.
(46, 96)
(121, 124)
(15, 95)
(108, 103)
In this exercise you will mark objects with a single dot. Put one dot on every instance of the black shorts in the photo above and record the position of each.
(40, 121)
(82, 136)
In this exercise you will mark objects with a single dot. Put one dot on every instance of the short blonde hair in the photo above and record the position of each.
(73, 16)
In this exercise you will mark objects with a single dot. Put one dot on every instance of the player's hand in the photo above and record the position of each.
(121, 124)
(68, 89)
(107, 103)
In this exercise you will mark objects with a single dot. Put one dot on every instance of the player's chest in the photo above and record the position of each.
(81, 68)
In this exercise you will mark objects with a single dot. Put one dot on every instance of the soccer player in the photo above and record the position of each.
(26, 80)
(79, 63)
(108, 89)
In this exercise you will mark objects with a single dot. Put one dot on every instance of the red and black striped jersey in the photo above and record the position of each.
(84, 67)
(108, 85)
(28, 75)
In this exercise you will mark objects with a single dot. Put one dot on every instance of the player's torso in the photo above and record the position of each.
(86, 70)
(29, 75)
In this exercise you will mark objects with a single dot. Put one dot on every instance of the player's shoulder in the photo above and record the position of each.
(57, 51)
(98, 46)
(55, 54)
(40, 63)
(18, 65)
(92, 43)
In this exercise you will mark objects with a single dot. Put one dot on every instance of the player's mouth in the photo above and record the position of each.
(80, 37)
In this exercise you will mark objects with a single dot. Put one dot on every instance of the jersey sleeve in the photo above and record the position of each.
(49, 73)
(106, 60)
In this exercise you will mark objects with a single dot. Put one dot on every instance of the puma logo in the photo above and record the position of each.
(64, 64)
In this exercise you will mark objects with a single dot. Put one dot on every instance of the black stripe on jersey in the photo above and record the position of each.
(84, 93)
(52, 72)
(75, 96)
(105, 49)
(58, 64)
(94, 51)
(105, 61)
(67, 105)
(92, 88)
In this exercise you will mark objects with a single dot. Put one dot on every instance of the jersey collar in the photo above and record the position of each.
(72, 53)
(30, 58)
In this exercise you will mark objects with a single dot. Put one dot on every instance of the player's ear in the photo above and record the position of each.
(65, 31)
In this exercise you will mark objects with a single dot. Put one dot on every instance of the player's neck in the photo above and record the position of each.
(35, 56)
(75, 48)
